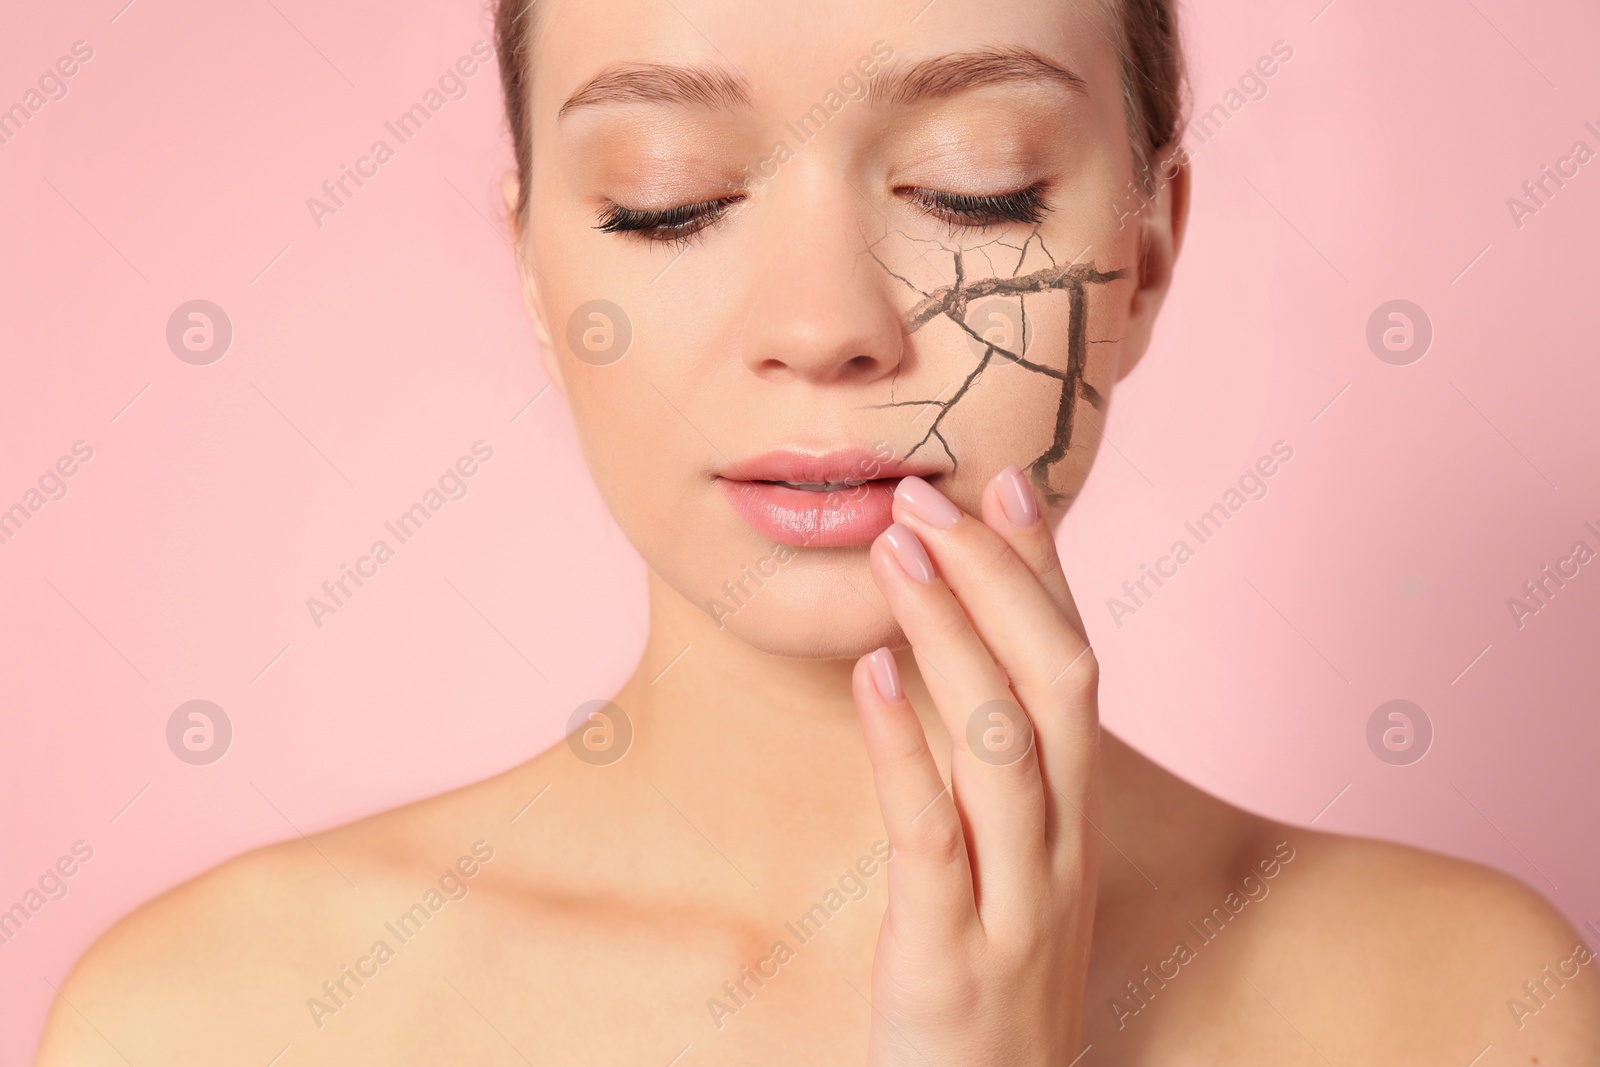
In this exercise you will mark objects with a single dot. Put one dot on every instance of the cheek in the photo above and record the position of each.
(638, 458)
(1027, 359)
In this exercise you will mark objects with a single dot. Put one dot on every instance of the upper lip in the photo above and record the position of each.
(851, 465)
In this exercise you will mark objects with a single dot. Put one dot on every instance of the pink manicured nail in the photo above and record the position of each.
(1016, 497)
(926, 502)
(885, 674)
(908, 551)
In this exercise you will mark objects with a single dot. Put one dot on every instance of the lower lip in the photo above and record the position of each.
(806, 519)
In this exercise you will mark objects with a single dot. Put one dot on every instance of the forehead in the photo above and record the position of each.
(780, 54)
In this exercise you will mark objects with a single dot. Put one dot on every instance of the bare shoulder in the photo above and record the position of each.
(136, 985)
(227, 961)
(1385, 949)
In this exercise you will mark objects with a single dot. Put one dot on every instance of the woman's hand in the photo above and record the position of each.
(984, 950)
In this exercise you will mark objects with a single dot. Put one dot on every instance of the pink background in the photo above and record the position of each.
(370, 353)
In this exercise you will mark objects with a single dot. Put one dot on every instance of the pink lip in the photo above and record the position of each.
(808, 518)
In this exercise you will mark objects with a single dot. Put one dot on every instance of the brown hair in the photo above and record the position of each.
(1153, 79)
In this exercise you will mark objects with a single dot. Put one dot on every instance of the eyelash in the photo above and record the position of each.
(679, 225)
(1025, 205)
(673, 225)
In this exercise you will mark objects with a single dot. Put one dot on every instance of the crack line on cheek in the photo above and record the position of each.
(953, 302)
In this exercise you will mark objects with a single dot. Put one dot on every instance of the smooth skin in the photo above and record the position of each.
(1030, 913)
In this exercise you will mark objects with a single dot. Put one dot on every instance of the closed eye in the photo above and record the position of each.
(678, 225)
(674, 225)
(1026, 206)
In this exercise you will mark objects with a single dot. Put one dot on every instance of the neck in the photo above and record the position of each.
(774, 743)
(704, 676)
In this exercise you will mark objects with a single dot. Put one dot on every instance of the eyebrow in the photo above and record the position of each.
(718, 88)
(957, 72)
(662, 83)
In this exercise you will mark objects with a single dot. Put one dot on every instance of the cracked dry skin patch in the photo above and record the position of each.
(953, 302)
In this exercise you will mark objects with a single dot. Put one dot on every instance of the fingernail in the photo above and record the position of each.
(885, 674)
(909, 553)
(926, 502)
(1016, 497)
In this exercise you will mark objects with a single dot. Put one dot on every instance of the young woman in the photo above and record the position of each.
(838, 293)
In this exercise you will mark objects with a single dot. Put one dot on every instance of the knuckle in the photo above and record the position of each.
(931, 994)
(1072, 864)
(990, 557)
(1042, 555)
(1083, 673)
(905, 748)
(1018, 760)
(1034, 546)
(938, 835)
(949, 622)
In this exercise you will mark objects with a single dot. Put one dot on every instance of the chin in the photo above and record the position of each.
(815, 608)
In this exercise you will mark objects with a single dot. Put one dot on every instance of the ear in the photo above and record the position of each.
(530, 279)
(1161, 226)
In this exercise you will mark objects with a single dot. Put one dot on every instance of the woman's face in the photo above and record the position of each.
(781, 254)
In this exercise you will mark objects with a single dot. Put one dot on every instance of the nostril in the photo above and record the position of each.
(860, 364)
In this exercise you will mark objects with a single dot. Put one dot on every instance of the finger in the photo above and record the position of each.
(1011, 511)
(1011, 497)
(930, 875)
(996, 781)
(1067, 757)
(1034, 642)
(1045, 659)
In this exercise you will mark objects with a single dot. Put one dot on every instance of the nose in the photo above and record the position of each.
(821, 310)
